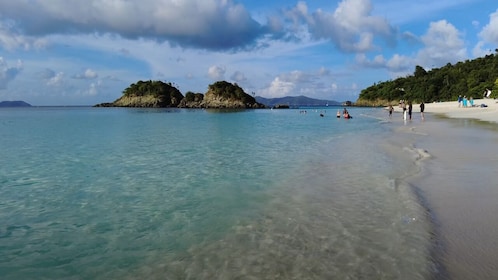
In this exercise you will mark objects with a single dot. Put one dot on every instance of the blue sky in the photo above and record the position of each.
(84, 52)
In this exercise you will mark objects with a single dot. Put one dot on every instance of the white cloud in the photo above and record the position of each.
(10, 39)
(216, 72)
(480, 49)
(400, 65)
(351, 27)
(490, 32)
(7, 73)
(279, 88)
(314, 84)
(211, 24)
(56, 80)
(377, 62)
(93, 89)
(87, 75)
(442, 44)
(238, 77)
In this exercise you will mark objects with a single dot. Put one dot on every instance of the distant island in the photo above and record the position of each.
(4, 104)
(158, 94)
(220, 95)
(296, 101)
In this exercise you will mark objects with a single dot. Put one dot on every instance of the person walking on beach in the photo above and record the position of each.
(410, 107)
(391, 109)
(459, 100)
(422, 107)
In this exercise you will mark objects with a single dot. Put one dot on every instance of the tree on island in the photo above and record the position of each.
(150, 94)
(223, 94)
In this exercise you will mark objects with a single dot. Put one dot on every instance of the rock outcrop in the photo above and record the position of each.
(157, 94)
(150, 94)
(226, 95)
(192, 100)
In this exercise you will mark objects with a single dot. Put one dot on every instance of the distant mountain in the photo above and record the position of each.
(14, 104)
(296, 101)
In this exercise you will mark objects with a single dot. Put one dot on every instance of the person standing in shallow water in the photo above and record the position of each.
(391, 109)
(422, 107)
(410, 107)
(403, 105)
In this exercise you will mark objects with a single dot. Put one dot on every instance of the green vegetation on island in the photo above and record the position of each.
(470, 78)
(150, 94)
(158, 94)
(226, 95)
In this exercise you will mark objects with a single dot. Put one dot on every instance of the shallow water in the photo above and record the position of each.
(459, 187)
(99, 193)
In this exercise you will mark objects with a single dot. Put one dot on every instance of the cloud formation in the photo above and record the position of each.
(89, 74)
(203, 24)
(490, 32)
(209, 24)
(216, 72)
(443, 44)
(56, 80)
(7, 73)
(351, 27)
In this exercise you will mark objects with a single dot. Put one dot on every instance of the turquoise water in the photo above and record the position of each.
(114, 193)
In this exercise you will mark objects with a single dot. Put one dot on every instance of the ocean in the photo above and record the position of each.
(121, 193)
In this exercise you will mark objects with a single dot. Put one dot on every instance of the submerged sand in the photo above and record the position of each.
(458, 183)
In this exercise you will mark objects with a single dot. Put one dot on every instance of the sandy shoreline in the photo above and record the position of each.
(458, 183)
(452, 110)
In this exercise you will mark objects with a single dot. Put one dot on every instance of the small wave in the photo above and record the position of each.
(413, 130)
(418, 153)
(15, 230)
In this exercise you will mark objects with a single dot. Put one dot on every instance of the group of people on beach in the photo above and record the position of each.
(407, 110)
(464, 102)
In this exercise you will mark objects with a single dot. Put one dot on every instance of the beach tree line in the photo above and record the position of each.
(468, 78)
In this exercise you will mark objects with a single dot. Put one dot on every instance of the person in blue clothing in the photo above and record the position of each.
(459, 100)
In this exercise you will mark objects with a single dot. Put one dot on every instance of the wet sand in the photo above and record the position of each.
(458, 183)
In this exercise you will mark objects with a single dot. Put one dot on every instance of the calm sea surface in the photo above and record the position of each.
(113, 193)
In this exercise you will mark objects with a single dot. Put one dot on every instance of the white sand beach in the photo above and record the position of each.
(458, 182)
(452, 110)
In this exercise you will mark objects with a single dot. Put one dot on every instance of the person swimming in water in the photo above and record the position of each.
(346, 114)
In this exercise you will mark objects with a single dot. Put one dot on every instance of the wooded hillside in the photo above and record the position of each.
(470, 78)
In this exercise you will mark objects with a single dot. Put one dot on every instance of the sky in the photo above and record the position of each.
(85, 52)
